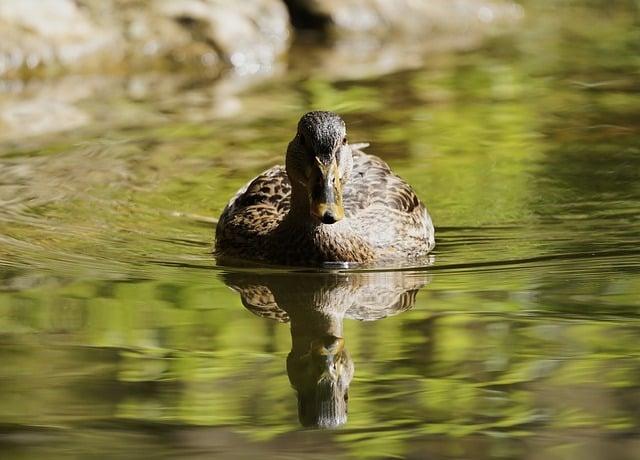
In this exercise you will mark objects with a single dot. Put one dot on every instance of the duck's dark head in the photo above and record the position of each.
(319, 161)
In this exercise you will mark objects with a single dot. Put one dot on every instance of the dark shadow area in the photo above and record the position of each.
(304, 18)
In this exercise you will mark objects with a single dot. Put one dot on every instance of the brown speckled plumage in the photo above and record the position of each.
(269, 219)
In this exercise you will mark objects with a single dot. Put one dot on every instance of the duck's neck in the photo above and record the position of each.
(300, 211)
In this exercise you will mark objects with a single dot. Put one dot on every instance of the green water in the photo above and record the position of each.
(120, 337)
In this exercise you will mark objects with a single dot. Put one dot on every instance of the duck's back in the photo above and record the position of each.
(386, 211)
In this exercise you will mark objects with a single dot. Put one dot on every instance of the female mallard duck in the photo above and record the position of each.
(330, 203)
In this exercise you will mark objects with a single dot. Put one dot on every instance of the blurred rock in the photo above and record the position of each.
(374, 37)
(416, 18)
(248, 35)
(50, 33)
(50, 36)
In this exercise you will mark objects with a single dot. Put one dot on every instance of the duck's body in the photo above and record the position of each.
(352, 209)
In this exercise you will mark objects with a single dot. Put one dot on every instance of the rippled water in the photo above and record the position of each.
(119, 336)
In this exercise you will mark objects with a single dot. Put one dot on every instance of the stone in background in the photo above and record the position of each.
(55, 36)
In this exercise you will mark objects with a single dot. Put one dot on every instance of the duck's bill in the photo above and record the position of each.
(327, 213)
(326, 193)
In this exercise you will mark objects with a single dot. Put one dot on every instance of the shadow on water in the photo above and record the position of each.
(319, 365)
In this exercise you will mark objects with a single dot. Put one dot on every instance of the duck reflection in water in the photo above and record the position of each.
(319, 365)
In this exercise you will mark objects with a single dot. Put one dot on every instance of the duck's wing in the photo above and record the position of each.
(386, 207)
(372, 183)
(256, 209)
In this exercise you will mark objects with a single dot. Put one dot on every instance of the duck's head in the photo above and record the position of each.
(321, 378)
(319, 161)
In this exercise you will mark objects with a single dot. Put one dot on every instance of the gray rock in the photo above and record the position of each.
(50, 36)
(49, 33)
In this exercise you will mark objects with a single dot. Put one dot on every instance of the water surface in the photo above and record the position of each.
(120, 337)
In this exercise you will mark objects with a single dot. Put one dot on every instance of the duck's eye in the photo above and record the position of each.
(344, 140)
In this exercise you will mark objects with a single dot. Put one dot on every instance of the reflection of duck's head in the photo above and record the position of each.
(321, 377)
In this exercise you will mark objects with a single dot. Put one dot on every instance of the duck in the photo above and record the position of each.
(329, 203)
